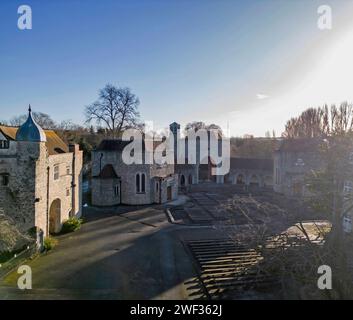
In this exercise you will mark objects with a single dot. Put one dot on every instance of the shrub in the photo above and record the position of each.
(71, 225)
(49, 243)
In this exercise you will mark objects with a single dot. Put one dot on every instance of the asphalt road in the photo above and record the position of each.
(132, 255)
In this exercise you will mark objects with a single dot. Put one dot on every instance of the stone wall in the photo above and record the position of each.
(289, 174)
(61, 188)
(187, 171)
(104, 192)
(127, 177)
(17, 199)
(32, 188)
(261, 177)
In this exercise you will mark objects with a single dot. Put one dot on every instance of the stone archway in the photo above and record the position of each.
(254, 180)
(55, 217)
(228, 178)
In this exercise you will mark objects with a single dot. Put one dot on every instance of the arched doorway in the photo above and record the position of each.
(228, 179)
(182, 180)
(254, 181)
(190, 179)
(55, 217)
(240, 179)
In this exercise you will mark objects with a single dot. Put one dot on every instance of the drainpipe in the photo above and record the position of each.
(100, 162)
(121, 201)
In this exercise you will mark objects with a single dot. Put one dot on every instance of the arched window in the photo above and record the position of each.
(143, 183)
(182, 180)
(5, 178)
(138, 183)
(4, 144)
(190, 179)
(157, 186)
(116, 191)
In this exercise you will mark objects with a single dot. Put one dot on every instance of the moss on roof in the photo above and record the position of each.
(54, 143)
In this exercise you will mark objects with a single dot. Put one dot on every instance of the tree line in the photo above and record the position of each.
(321, 122)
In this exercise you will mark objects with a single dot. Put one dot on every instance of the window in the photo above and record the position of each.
(143, 183)
(67, 192)
(140, 183)
(116, 191)
(56, 172)
(157, 186)
(67, 170)
(5, 179)
(4, 144)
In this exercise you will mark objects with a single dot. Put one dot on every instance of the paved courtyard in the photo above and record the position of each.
(134, 252)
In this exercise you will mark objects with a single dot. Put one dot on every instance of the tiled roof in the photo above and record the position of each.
(54, 144)
(112, 145)
(300, 144)
(251, 163)
(108, 172)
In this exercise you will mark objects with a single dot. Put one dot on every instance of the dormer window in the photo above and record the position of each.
(4, 144)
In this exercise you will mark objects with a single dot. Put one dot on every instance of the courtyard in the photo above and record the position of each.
(198, 247)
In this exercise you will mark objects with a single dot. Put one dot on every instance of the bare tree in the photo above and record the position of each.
(197, 125)
(115, 109)
(43, 119)
(321, 122)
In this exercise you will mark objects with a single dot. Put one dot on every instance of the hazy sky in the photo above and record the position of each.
(252, 64)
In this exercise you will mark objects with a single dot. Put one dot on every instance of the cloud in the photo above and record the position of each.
(261, 96)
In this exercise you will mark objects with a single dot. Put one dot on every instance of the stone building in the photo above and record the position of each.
(40, 177)
(293, 159)
(250, 172)
(115, 182)
(188, 173)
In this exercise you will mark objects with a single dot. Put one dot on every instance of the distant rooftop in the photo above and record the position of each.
(300, 144)
(251, 164)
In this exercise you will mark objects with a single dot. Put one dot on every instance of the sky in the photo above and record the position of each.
(246, 65)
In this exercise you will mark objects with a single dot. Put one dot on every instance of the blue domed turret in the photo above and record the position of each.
(30, 130)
